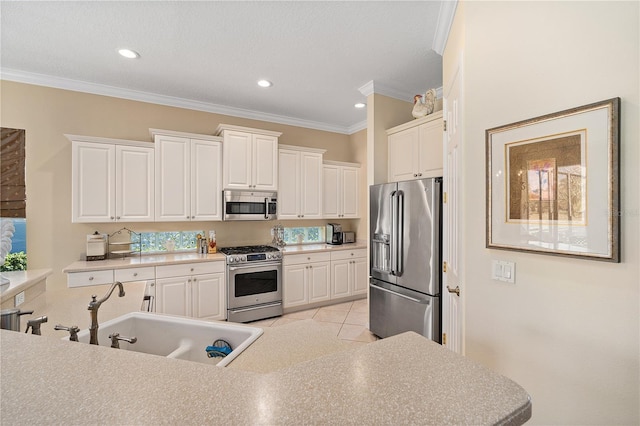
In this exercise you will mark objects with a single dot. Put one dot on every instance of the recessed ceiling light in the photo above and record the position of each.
(360, 105)
(264, 83)
(128, 53)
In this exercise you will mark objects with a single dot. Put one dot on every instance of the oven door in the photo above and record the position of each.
(254, 284)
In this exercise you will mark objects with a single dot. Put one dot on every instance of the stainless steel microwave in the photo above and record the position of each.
(249, 205)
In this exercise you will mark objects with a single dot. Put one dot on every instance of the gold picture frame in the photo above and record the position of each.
(553, 183)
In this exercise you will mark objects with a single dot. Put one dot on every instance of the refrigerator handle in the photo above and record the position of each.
(394, 220)
(436, 199)
(400, 233)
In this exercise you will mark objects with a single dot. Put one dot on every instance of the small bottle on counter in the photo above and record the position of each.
(212, 242)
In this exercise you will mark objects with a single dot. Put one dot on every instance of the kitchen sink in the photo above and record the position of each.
(174, 336)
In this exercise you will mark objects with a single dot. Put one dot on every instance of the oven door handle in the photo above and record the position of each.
(261, 265)
(256, 307)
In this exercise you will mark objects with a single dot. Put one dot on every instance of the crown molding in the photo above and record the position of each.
(443, 27)
(379, 88)
(357, 127)
(134, 95)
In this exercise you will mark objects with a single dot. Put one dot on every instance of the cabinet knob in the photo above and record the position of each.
(152, 284)
(191, 269)
(118, 217)
(193, 217)
(112, 217)
(135, 274)
(90, 278)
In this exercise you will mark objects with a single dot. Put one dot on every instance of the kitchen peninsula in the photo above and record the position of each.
(405, 379)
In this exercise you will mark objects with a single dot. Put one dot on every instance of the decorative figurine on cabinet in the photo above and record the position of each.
(423, 107)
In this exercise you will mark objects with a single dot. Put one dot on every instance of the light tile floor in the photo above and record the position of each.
(348, 321)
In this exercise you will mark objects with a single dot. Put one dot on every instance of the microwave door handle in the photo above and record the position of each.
(266, 208)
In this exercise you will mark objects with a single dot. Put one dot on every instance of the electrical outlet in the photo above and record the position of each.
(19, 300)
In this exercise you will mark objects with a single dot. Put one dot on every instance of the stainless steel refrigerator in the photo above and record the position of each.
(405, 258)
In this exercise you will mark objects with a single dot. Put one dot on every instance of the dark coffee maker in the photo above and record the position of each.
(334, 233)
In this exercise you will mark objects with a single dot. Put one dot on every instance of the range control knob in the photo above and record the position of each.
(243, 258)
(269, 256)
(230, 259)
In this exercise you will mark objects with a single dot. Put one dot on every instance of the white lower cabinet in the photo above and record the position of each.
(349, 273)
(194, 290)
(307, 279)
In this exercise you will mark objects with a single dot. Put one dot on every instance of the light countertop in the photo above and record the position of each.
(310, 248)
(21, 280)
(191, 257)
(141, 261)
(405, 379)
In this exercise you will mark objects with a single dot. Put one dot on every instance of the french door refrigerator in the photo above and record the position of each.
(405, 252)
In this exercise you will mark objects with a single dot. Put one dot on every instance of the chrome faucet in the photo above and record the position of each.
(93, 307)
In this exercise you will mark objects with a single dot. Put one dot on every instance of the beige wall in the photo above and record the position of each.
(383, 113)
(47, 114)
(567, 330)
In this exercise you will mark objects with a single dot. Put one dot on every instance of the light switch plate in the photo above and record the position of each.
(503, 271)
(19, 300)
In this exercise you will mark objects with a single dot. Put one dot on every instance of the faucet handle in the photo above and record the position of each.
(73, 331)
(115, 340)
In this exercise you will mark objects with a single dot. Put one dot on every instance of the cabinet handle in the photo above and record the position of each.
(90, 278)
(135, 274)
(118, 217)
(152, 284)
(191, 269)
(193, 217)
(112, 218)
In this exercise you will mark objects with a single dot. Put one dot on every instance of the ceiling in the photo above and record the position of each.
(322, 57)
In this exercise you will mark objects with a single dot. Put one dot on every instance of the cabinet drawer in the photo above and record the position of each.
(187, 269)
(297, 259)
(348, 254)
(84, 279)
(135, 274)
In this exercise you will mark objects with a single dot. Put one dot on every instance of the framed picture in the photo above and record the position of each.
(553, 183)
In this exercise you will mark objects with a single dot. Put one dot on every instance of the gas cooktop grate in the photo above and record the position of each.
(247, 249)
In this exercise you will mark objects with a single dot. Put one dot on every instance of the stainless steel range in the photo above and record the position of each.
(254, 282)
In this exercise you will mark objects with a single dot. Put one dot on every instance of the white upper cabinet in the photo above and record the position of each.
(300, 183)
(250, 158)
(340, 189)
(188, 176)
(415, 149)
(112, 180)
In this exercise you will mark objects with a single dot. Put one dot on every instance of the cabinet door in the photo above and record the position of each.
(208, 296)
(403, 154)
(237, 157)
(349, 195)
(331, 191)
(340, 274)
(289, 184)
(134, 184)
(173, 296)
(360, 276)
(311, 185)
(172, 178)
(206, 180)
(430, 164)
(93, 180)
(319, 282)
(294, 289)
(265, 163)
